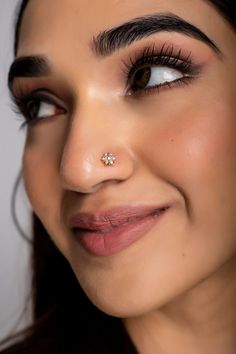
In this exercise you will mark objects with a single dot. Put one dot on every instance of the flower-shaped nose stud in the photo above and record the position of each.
(108, 159)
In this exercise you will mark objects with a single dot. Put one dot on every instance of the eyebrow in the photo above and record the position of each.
(28, 66)
(109, 41)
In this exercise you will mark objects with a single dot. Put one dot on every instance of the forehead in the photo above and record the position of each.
(75, 22)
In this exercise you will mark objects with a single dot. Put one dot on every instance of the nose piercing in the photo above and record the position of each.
(108, 159)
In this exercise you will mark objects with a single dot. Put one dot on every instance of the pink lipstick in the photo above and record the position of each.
(109, 232)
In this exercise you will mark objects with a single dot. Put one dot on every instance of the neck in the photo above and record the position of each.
(203, 320)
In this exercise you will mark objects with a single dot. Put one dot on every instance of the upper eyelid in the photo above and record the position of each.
(38, 94)
(167, 54)
(166, 50)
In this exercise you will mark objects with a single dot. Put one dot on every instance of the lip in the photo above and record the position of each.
(108, 232)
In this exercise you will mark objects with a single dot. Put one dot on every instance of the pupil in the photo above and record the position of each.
(142, 77)
(33, 108)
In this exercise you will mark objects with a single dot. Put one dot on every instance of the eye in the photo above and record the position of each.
(147, 71)
(37, 106)
(148, 77)
(38, 109)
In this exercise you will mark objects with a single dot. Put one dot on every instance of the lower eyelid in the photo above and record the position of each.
(184, 81)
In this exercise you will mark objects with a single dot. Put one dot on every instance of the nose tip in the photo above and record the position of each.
(88, 170)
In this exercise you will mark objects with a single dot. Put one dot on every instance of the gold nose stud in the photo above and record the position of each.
(108, 159)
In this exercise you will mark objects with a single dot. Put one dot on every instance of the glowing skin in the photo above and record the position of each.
(175, 287)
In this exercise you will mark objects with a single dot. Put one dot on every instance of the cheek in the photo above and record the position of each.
(192, 141)
(194, 150)
(42, 184)
(41, 178)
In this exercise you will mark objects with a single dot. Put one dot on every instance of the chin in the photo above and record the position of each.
(123, 302)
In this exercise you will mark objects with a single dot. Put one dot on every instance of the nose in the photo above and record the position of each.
(82, 168)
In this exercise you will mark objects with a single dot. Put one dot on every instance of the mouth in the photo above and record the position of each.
(110, 232)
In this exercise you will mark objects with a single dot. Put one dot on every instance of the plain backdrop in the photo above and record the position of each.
(14, 251)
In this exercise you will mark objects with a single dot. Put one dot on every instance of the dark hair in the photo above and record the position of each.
(64, 319)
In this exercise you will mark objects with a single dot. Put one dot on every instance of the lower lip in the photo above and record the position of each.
(109, 243)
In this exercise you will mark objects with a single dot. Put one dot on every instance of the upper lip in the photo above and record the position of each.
(112, 218)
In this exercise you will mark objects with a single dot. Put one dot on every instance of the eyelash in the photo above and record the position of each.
(21, 101)
(148, 57)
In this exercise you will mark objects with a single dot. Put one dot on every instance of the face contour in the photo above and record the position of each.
(175, 144)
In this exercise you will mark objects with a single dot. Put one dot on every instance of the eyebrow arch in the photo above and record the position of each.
(109, 41)
(28, 66)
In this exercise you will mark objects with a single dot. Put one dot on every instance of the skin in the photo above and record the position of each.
(175, 288)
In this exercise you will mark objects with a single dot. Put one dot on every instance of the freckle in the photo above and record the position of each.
(171, 140)
(183, 254)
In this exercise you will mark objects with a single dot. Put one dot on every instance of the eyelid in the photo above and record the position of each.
(154, 49)
(39, 94)
(153, 55)
(24, 96)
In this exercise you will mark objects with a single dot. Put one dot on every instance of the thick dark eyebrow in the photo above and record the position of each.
(28, 66)
(109, 41)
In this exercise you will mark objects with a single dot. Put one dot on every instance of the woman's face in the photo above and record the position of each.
(174, 144)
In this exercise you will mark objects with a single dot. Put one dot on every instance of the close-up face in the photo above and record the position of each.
(153, 83)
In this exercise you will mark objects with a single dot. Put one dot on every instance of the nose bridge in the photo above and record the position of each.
(92, 134)
(92, 125)
(83, 143)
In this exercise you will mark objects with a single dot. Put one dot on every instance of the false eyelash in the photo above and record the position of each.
(17, 109)
(19, 105)
(166, 56)
(151, 55)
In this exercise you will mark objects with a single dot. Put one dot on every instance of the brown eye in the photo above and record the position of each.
(141, 78)
(37, 109)
(33, 107)
(36, 105)
(154, 76)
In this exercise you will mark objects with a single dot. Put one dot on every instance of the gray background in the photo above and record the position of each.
(14, 252)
